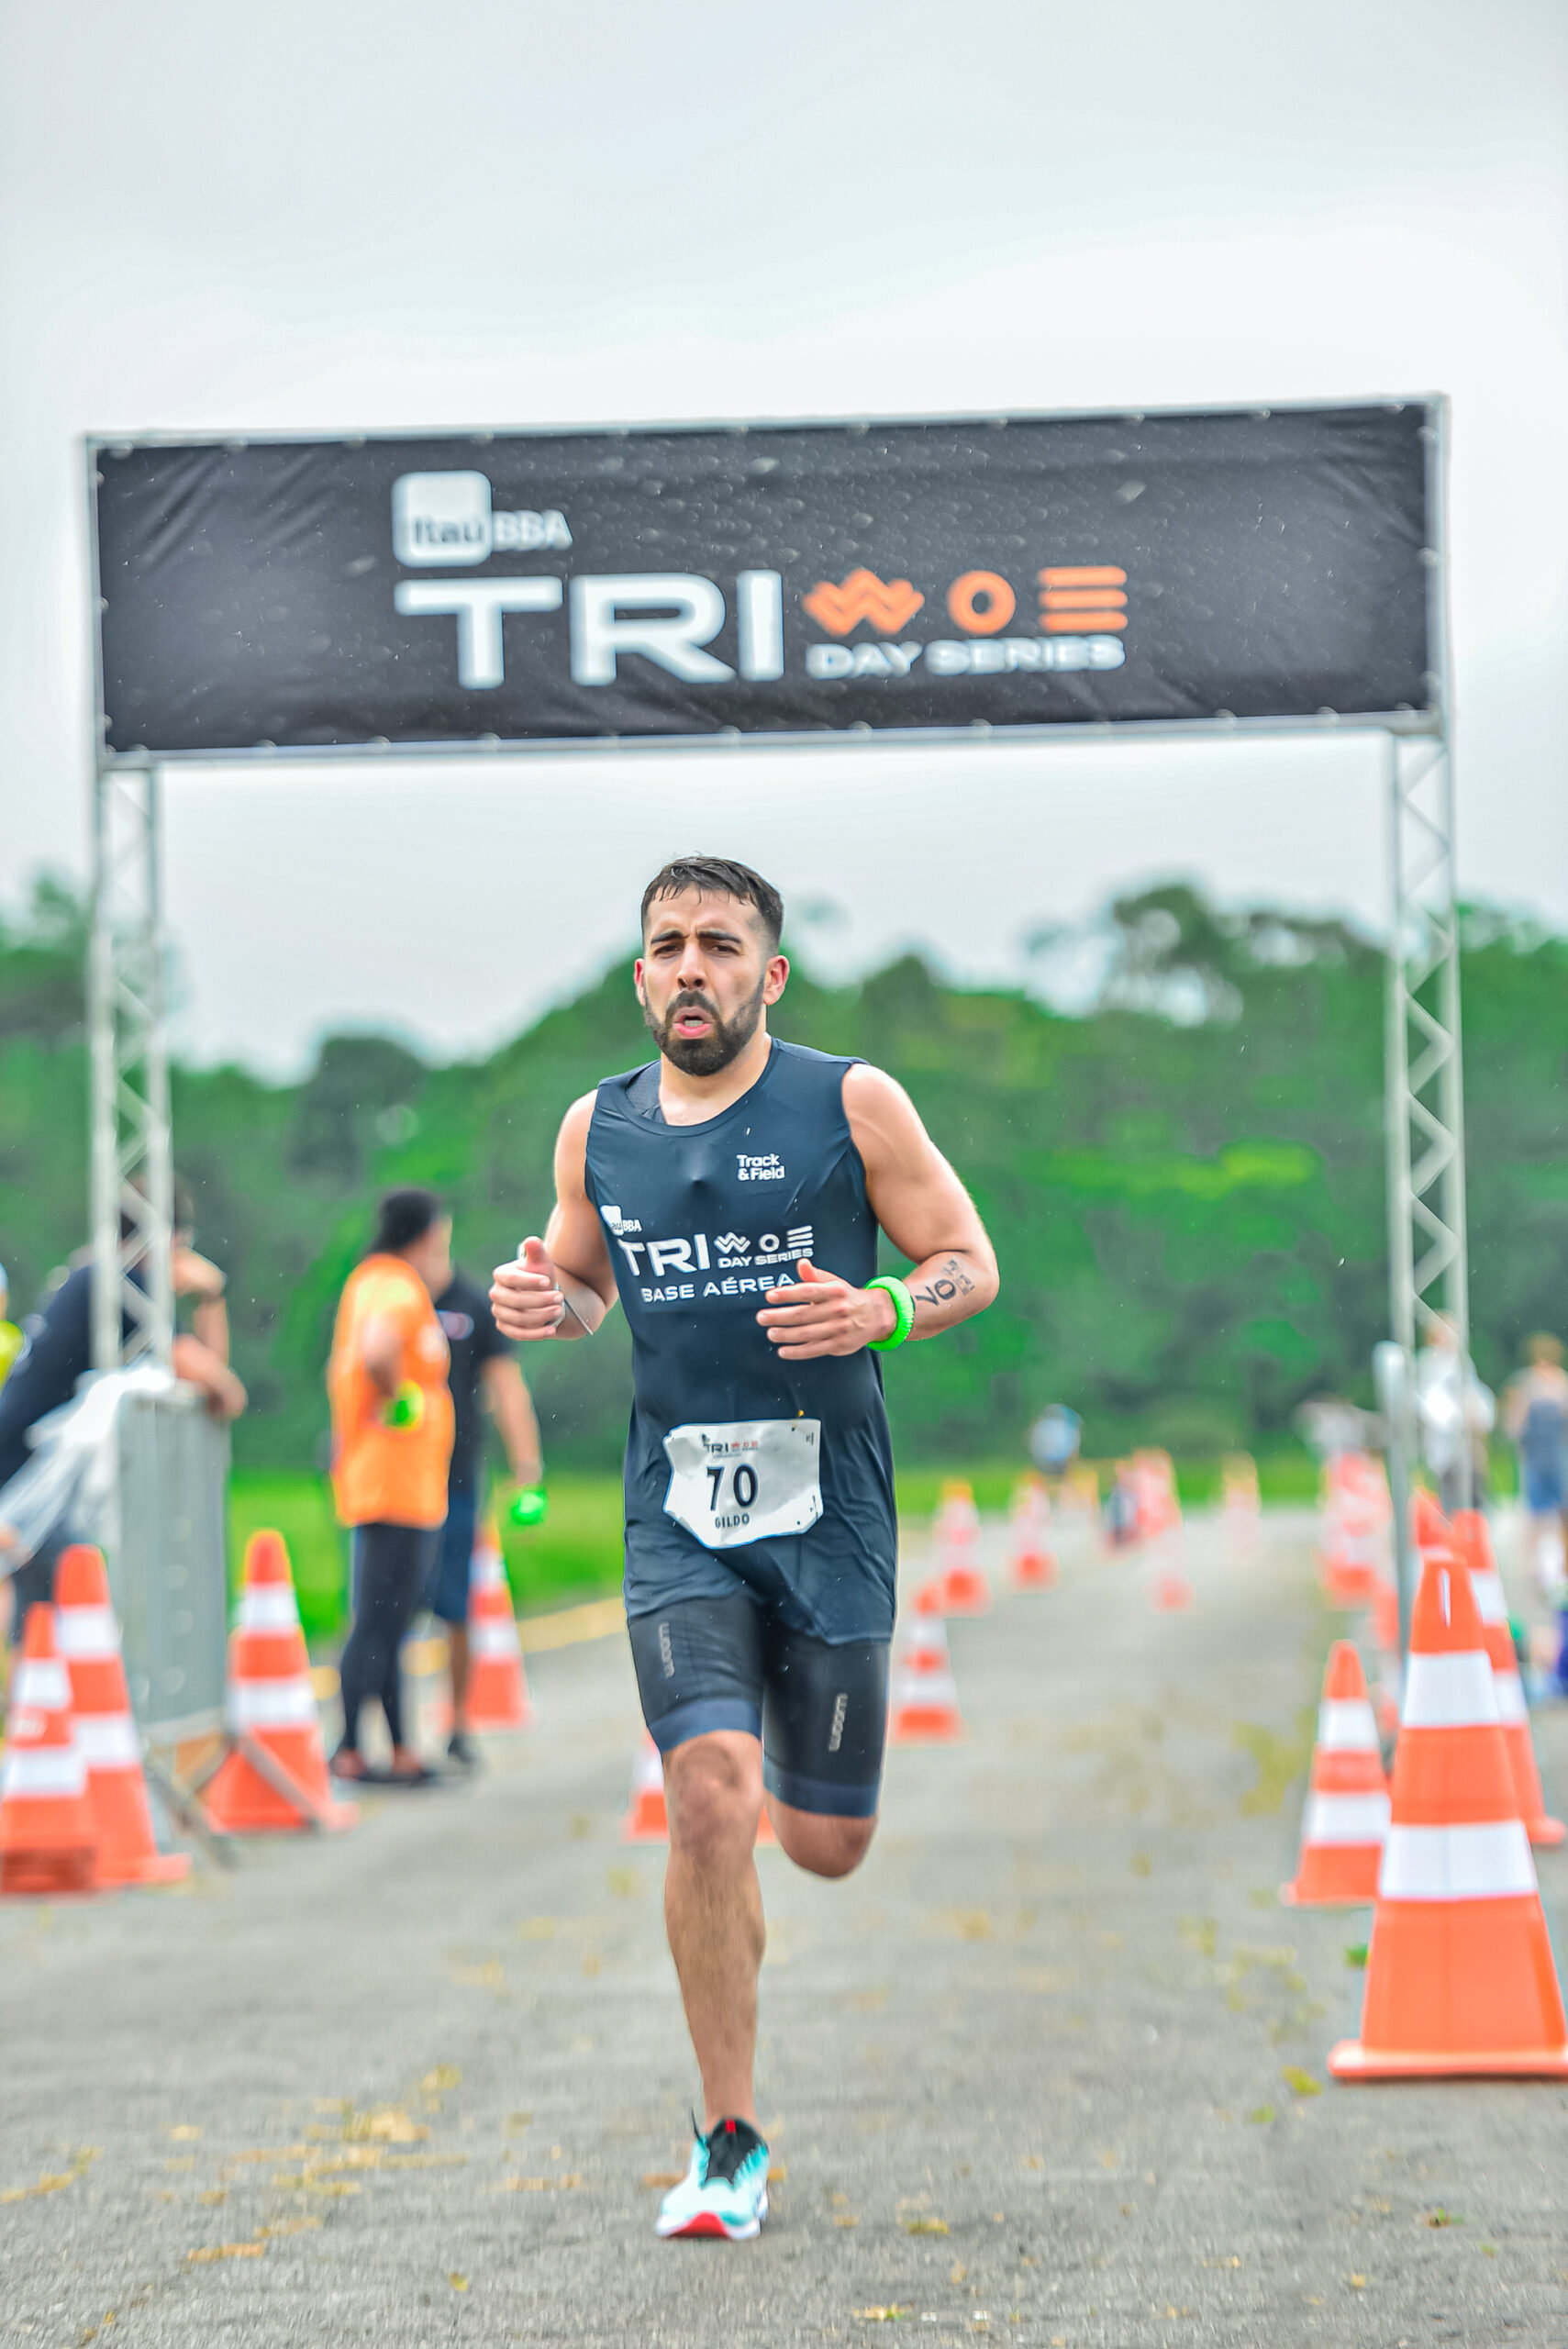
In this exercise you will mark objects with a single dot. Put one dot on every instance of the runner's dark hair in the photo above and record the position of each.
(401, 1218)
(717, 876)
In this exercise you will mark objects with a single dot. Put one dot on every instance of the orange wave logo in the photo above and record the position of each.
(1082, 598)
(888, 604)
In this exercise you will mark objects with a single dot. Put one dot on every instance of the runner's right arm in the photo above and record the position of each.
(563, 1285)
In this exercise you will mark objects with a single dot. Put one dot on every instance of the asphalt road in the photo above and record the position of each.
(1049, 2067)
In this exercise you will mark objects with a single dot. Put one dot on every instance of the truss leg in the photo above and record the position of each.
(1428, 1251)
(132, 1172)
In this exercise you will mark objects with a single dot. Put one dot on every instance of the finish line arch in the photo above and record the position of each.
(788, 584)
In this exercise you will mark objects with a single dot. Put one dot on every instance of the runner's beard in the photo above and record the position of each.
(704, 1055)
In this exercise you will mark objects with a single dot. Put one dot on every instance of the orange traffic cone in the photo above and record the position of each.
(1169, 1593)
(1429, 1528)
(1154, 1480)
(1355, 1528)
(275, 1778)
(1347, 1802)
(959, 1579)
(88, 1639)
(1474, 1542)
(1460, 1975)
(49, 1843)
(1031, 1562)
(498, 1694)
(924, 1708)
(647, 1819)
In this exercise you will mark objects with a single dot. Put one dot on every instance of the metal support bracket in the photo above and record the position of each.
(180, 1799)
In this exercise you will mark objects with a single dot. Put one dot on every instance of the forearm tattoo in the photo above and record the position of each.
(951, 1280)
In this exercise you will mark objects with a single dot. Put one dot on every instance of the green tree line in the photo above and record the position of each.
(1184, 1182)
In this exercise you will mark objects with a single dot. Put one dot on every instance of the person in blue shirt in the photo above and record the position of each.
(57, 1353)
(1535, 1413)
(731, 1194)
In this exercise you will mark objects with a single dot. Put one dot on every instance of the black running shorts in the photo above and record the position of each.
(819, 1707)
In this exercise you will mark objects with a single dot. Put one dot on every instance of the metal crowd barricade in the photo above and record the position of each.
(167, 1577)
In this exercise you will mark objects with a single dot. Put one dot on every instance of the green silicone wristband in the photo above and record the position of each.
(903, 1309)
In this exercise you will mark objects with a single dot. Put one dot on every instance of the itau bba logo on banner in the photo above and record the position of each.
(448, 521)
(447, 518)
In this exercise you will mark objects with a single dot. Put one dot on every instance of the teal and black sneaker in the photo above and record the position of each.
(725, 2189)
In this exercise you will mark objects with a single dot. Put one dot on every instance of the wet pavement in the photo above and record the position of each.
(1049, 2068)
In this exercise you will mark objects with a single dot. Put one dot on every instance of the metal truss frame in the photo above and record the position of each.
(132, 1176)
(1428, 1272)
(1429, 1256)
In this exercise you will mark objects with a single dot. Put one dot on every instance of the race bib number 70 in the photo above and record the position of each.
(745, 1480)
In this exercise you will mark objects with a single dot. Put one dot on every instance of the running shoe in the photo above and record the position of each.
(725, 2189)
(459, 1753)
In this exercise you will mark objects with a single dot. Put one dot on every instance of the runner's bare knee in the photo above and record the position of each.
(822, 1846)
(715, 1787)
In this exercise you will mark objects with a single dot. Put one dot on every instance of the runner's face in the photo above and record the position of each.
(704, 978)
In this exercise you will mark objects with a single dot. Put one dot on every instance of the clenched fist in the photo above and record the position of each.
(821, 1314)
(524, 1295)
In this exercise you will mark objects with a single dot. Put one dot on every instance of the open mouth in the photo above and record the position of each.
(694, 1022)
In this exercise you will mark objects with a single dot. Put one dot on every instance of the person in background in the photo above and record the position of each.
(1455, 1414)
(1054, 1440)
(392, 1442)
(482, 1363)
(1535, 1414)
(56, 1354)
(10, 1336)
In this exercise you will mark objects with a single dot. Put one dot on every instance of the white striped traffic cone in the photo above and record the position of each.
(961, 1580)
(498, 1694)
(1475, 1545)
(48, 1844)
(1347, 1801)
(647, 1819)
(276, 1780)
(924, 1708)
(1460, 1979)
(1032, 1563)
(88, 1639)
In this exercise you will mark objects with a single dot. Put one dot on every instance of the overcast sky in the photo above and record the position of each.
(333, 216)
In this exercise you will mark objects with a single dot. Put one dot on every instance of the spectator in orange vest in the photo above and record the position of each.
(392, 1431)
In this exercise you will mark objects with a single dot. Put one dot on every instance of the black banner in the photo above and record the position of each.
(800, 580)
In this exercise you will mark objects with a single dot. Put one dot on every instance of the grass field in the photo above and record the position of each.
(577, 1553)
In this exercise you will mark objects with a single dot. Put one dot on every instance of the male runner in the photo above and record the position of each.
(730, 1193)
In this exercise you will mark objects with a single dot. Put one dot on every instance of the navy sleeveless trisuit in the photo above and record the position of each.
(700, 1221)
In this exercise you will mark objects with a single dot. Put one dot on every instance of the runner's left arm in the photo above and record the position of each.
(926, 1213)
(562, 1286)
